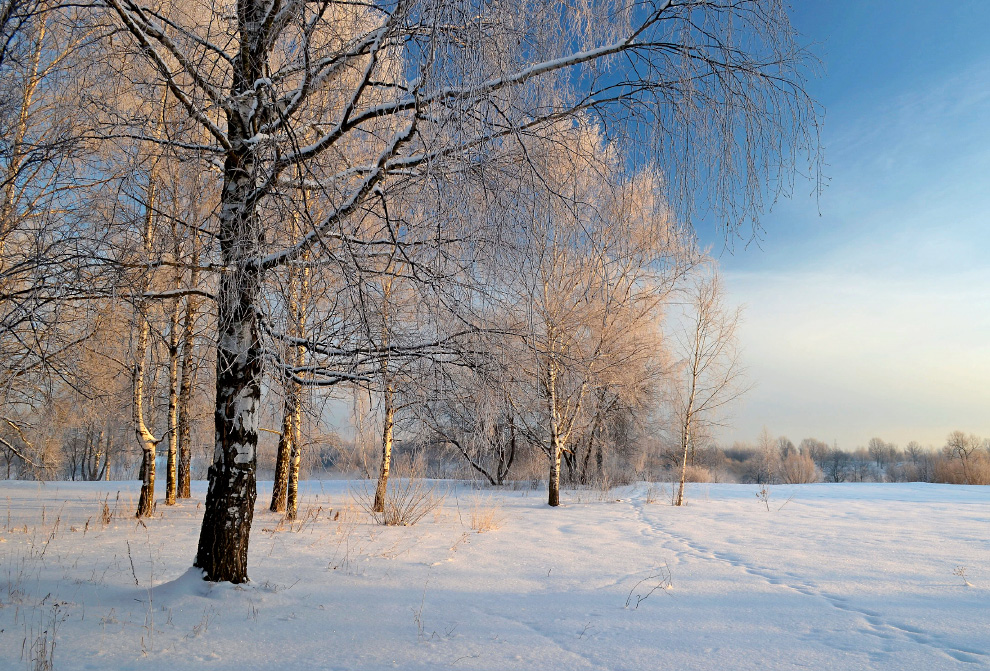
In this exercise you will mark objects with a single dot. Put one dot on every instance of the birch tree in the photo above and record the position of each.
(285, 488)
(43, 248)
(710, 372)
(187, 380)
(585, 281)
(388, 377)
(146, 439)
(391, 315)
(350, 101)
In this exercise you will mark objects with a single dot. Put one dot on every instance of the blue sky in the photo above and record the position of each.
(868, 310)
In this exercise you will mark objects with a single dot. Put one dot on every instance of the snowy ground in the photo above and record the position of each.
(830, 577)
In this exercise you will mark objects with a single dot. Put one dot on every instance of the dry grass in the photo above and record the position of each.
(655, 494)
(41, 652)
(407, 501)
(602, 486)
(345, 543)
(486, 514)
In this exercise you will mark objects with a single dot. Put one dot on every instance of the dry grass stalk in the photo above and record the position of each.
(486, 515)
(407, 501)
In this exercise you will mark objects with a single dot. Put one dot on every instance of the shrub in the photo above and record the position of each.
(798, 469)
(974, 470)
(697, 474)
(407, 501)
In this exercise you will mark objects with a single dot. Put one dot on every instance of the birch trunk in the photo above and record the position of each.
(146, 502)
(147, 441)
(553, 485)
(299, 358)
(553, 488)
(171, 467)
(95, 472)
(226, 530)
(106, 460)
(280, 487)
(387, 433)
(689, 405)
(295, 457)
(225, 534)
(186, 382)
(685, 441)
(290, 443)
(388, 401)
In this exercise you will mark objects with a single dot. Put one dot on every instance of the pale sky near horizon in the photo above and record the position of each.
(868, 310)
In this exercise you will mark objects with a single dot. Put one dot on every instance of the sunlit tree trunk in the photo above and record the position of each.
(553, 497)
(299, 356)
(687, 415)
(106, 459)
(694, 372)
(147, 441)
(388, 401)
(280, 486)
(186, 382)
(285, 493)
(295, 457)
(171, 466)
(685, 439)
(556, 448)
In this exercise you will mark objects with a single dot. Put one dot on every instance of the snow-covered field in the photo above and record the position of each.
(830, 577)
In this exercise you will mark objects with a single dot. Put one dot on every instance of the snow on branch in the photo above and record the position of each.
(345, 209)
(143, 38)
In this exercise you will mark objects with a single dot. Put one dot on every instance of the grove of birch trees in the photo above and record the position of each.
(475, 213)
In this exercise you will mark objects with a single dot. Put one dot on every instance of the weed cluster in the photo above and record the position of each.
(486, 515)
(407, 501)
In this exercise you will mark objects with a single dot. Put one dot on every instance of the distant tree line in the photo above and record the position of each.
(963, 459)
(627, 446)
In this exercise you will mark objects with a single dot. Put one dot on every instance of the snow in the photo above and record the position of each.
(830, 577)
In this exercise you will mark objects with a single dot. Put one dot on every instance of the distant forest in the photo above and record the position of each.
(622, 455)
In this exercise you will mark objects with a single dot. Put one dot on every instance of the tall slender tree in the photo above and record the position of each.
(596, 255)
(285, 491)
(146, 439)
(710, 374)
(187, 380)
